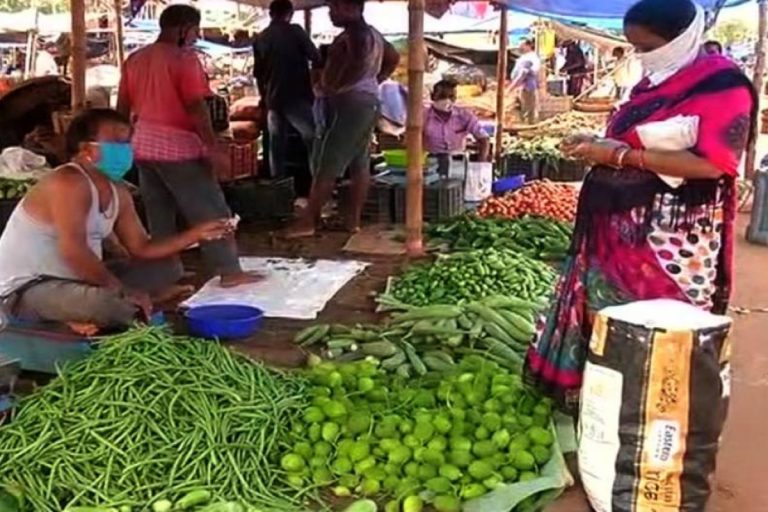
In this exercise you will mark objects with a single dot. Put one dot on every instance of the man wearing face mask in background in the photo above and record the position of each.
(447, 126)
(164, 88)
(51, 265)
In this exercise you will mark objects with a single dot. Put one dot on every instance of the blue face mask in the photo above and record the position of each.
(116, 159)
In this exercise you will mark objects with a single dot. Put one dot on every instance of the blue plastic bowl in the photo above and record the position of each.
(508, 184)
(225, 322)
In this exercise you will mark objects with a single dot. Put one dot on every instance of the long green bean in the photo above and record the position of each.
(151, 416)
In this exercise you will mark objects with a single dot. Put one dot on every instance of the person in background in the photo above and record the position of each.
(525, 76)
(45, 63)
(393, 97)
(447, 126)
(282, 54)
(652, 223)
(51, 265)
(627, 74)
(347, 109)
(713, 48)
(575, 67)
(163, 86)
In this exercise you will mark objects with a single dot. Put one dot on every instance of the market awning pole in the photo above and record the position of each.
(414, 179)
(308, 22)
(77, 36)
(758, 81)
(501, 80)
(29, 62)
(119, 44)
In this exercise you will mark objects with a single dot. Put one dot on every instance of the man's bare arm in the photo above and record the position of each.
(70, 203)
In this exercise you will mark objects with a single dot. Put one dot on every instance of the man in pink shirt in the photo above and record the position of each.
(447, 126)
(164, 88)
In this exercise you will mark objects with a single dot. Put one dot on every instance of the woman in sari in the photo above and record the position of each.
(656, 212)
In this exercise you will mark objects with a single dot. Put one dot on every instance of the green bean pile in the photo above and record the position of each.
(148, 417)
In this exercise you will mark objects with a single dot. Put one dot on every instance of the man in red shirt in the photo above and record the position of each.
(164, 88)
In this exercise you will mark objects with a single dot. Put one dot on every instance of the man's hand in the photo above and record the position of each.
(213, 230)
(142, 301)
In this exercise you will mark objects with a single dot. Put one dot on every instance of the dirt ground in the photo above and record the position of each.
(743, 459)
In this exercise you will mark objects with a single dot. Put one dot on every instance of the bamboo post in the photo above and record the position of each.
(119, 43)
(501, 80)
(29, 61)
(758, 80)
(308, 21)
(77, 37)
(413, 137)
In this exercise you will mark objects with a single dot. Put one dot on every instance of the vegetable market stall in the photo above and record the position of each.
(125, 403)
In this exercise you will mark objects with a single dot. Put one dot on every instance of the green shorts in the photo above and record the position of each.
(344, 130)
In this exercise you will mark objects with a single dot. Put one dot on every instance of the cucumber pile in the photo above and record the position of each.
(473, 275)
(14, 189)
(430, 338)
(441, 440)
(537, 237)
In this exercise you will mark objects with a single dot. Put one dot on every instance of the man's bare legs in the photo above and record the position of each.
(306, 224)
(360, 183)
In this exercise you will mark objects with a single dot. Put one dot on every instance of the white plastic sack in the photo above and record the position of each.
(479, 181)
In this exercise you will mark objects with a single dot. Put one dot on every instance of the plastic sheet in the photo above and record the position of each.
(292, 288)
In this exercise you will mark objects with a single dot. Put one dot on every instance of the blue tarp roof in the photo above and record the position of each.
(592, 8)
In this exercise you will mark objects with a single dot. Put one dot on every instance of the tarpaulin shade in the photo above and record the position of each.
(594, 8)
(576, 8)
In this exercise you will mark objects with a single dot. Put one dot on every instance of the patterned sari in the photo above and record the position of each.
(636, 238)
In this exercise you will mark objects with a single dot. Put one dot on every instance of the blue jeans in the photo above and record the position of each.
(299, 116)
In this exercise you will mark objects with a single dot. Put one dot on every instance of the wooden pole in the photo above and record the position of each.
(758, 80)
(77, 37)
(414, 179)
(501, 80)
(29, 61)
(308, 21)
(119, 43)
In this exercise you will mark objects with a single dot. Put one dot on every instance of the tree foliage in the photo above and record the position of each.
(732, 32)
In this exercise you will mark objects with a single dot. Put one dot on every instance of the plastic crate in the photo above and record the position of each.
(258, 199)
(563, 170)
(512, 165)
(6, 209)
(442, 200)
(243, 160)
(378, 208)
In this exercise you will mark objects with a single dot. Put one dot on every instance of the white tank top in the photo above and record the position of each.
(29, 249)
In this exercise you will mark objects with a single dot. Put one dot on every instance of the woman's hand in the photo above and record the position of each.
(568, 144)
(599, 151)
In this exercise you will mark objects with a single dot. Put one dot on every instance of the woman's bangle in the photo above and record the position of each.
(621, 154)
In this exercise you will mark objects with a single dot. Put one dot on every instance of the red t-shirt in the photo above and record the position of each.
(160, 80)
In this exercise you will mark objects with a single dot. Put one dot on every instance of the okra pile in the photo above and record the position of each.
(147, 419)
(537, 237)
(473, 275)
(443, 439)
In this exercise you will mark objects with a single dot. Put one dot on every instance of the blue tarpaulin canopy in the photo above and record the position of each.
(594, 8)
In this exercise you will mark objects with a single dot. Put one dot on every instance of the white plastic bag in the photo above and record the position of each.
(675, 134)
(479, 181)
(17, 163)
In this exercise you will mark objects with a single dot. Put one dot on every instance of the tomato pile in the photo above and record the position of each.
(539, 198)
